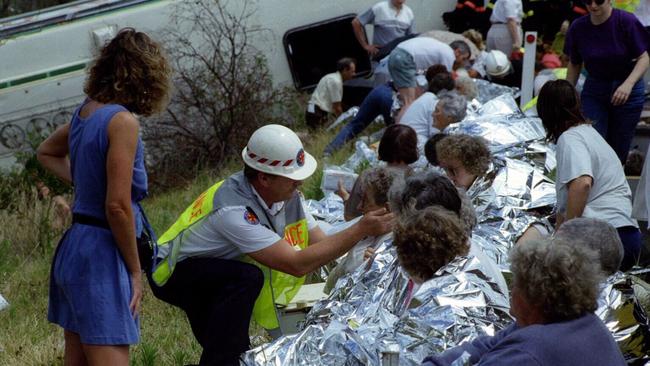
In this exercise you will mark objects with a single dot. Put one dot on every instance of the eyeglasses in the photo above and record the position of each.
(598, 2)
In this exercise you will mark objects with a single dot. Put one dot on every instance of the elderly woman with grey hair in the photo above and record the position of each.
(466, 86)
(554, 294)
(450, 107)
(597, 235)
(625, 316)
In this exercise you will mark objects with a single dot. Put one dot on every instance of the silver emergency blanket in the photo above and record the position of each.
(376, 308)
(347, 115)
(621, 312)
(3, 303)
(488, 91)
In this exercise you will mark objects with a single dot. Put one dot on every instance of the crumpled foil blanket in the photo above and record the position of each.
(376, 309)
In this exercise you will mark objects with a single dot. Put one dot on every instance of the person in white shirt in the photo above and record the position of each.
(416, 55)
(506, 34)
(590, 179)
(431, 114)
(326, 98)
(392, 19)
(244, 244)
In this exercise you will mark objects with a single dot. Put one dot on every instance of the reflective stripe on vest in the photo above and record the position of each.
(200, 208)
(560, 73)
(235, 191)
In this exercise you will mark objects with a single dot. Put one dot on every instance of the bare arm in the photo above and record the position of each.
(623, 91)
(53, 153)
(123, 141)
(579, 189)
(513, 28)
(361, 37)
(337, 108)
(572, 73)
(282, 257)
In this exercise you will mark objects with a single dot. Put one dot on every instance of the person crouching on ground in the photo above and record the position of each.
(554, 294)
(246, 243)
(328, 96)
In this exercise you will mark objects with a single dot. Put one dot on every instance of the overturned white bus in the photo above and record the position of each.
(43, 54)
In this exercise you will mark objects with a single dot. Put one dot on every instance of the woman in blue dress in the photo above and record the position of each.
(96, 283)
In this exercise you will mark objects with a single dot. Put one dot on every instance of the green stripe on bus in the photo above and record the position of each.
(43, 75)
(65, 70)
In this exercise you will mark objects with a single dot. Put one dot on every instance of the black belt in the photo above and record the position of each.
(89, 220)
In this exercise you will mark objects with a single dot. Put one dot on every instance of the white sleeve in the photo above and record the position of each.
(334, 90)
(238, 226)
(512, 9)
(574, 159)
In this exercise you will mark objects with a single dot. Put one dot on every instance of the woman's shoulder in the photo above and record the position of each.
(624, 16)
(580, 23)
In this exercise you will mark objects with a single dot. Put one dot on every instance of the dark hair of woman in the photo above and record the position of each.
(430, 148)
(399, 144)
(442, 81)
(131, 70)
(434, 70)
(558, 105)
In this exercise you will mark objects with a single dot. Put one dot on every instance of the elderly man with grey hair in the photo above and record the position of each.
(450, 107)
(554, 294)
(597, 235)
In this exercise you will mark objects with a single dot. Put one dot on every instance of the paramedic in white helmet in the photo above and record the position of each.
(501, 70)
(244, 244)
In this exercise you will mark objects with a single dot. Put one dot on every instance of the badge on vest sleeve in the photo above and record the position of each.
(250, 217)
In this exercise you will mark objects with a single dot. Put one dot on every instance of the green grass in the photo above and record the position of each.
(27, 244)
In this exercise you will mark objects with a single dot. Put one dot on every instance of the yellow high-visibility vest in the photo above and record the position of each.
(279, 288)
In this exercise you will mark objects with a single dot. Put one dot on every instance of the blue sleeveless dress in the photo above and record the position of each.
(90, 287)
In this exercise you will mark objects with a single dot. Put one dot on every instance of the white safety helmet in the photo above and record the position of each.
(275, 149)
(497, 63)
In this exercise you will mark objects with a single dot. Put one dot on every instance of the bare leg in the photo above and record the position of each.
(73, 355)
(408, 96)
(106, 355)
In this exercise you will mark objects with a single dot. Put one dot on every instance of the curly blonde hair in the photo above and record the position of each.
(558, 276)
(428, 239)
(476, 37)
(131, 70)
(471, 151)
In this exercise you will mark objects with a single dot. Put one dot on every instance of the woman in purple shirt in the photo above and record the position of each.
(612, 45)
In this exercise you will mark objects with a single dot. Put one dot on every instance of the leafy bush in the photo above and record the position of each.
(223, 90)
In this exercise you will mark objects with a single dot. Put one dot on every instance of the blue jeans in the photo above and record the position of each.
(379, 101)
(616, 124)
(631, 239)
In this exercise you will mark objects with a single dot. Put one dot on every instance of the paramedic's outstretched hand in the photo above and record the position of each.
(377, 222)
(136, 293)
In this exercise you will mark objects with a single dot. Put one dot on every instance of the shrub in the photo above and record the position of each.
(223, 90)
